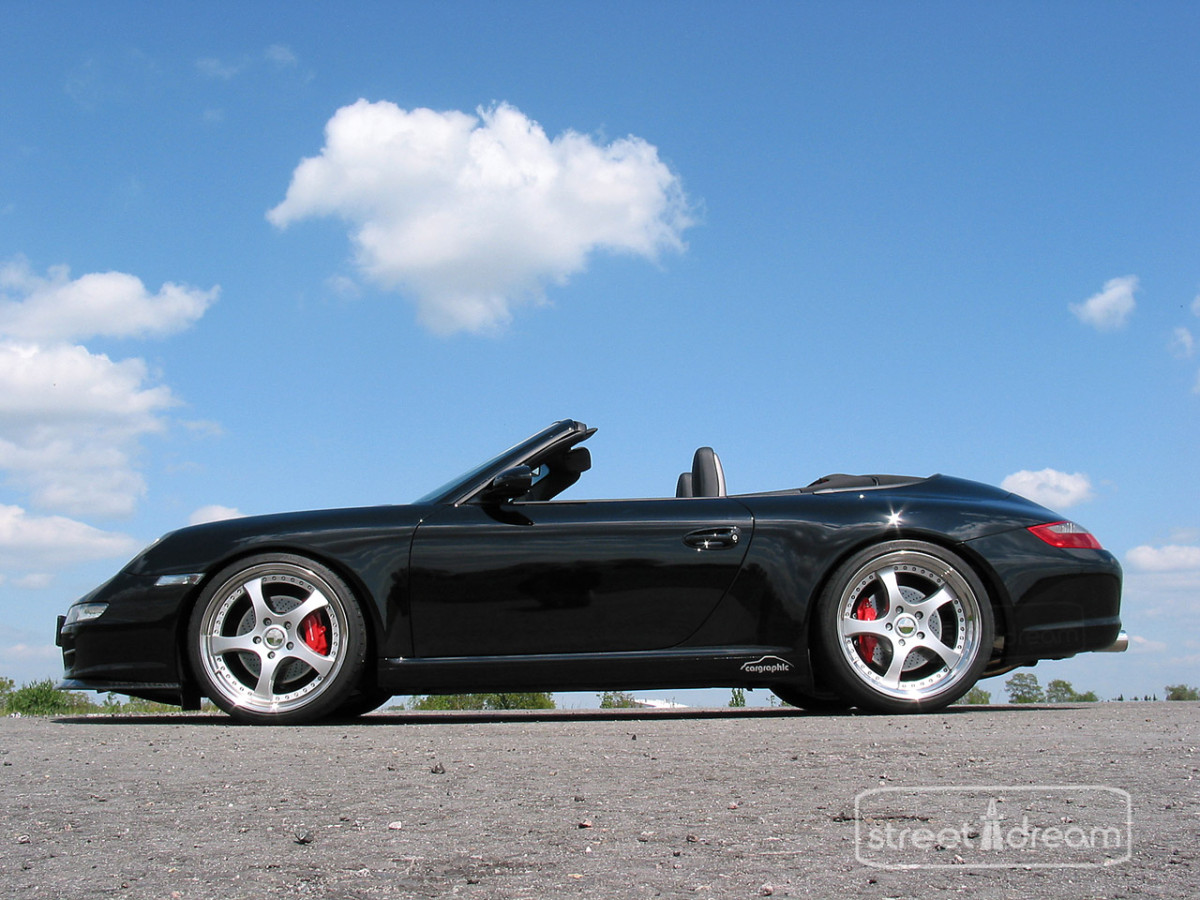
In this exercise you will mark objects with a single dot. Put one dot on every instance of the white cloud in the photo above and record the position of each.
(1049, 487)
(71, 421)
(203, 428)
(1164, 583)
(211, 67)
(214, 513)
(281, 55)
(343, 287)
(473, 215)
(36, 543)
(1139, 644)
(1185, 535)
(1110, 309)
(70, 424)
(35, 581)
(31, 652)
(1182, 344)
(109, 304)
(1168, 558)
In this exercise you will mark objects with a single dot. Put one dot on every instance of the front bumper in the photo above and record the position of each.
(132, 646)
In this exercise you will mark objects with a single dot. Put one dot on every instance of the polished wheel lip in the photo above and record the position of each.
(273, 639)
(912, 625)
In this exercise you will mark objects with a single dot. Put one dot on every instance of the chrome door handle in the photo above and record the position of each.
(714, 538)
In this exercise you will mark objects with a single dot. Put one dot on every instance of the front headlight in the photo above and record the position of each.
(83, 612)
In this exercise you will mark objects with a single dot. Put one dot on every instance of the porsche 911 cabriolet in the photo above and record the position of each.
(886, 593)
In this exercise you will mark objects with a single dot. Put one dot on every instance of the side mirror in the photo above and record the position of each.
(508, 484)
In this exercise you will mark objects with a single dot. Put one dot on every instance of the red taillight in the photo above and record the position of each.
(1066, 535)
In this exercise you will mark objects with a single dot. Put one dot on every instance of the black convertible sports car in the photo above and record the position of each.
(887, 593)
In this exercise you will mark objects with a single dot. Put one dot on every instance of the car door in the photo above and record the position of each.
(571, 577)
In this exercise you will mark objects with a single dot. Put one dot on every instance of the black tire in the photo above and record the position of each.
(812, 702)
(904, 626)
(277, 639)
(361, 702)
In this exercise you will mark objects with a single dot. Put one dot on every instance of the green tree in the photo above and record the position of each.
(1024, 688)
(617, 700)
(1060, 691)
(738, 698)
(1181, 692)
(6, 686)
(977, 696)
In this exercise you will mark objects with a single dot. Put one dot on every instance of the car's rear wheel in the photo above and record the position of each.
(904, 626)
(277, 639)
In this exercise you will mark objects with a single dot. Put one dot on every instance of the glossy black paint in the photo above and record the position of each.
(555, 576)
(463, 590)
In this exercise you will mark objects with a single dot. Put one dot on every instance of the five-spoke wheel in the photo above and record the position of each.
(278, 638)
(904, 626)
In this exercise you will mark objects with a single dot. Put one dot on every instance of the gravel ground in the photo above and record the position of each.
(738, 803)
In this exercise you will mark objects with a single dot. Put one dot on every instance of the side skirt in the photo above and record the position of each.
(691, 667)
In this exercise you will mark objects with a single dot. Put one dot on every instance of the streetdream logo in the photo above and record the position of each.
(993, 827)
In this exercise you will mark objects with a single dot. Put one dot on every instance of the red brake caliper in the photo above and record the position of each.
(315, 633)
(865, 612)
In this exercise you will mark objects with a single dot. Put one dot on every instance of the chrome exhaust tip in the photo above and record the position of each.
(1120, 645)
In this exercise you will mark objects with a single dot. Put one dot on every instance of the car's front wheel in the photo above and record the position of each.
(277, 639)
(904, 626)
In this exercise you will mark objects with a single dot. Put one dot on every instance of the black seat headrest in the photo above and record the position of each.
(683, 487)
(708, 478)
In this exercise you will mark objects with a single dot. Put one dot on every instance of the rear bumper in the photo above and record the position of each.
(1054, 603)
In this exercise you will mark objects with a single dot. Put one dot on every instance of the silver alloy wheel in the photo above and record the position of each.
(910, 626)
(272, 638)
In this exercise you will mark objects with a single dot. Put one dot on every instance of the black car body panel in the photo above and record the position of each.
(460, 591)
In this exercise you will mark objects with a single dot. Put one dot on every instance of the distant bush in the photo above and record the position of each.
(1182, 692)
(737, 699)
(977, 696)
(617, 700)
(536, 700)
(41, 698)
(137, 706)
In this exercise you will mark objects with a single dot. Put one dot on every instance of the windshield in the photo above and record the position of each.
(456, 488)
(465, 478)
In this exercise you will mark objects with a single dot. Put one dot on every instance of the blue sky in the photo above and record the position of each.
(819, 237)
